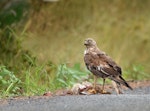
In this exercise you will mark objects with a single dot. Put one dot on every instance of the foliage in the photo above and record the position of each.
(9, 83)
(12, 54)
(137, 73)
(67, 76)
(51, 77)
(38, 79)
(34, 79)
(12, 12)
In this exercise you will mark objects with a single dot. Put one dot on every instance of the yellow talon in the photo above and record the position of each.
(92, 91)
(105, 92)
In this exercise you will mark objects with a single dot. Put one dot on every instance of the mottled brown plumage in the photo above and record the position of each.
(101, 65)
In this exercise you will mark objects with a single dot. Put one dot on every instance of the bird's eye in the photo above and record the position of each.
(89, 41)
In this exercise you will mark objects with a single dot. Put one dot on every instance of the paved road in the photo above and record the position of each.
(137, 100)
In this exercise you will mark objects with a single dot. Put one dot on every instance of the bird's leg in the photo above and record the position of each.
(95, 81)
(93, 90)
(103, 83)
(103, 91)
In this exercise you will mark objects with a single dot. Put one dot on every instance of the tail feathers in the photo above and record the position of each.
(120, 80)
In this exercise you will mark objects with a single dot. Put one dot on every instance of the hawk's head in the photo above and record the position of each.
(89, 42)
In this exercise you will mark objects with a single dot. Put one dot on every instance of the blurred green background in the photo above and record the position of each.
(41, 42)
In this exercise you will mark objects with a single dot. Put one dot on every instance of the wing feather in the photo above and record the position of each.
(105, 58)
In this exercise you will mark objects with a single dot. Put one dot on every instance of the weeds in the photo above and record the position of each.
(40, 79)
(9, 83)
(37, 79)
(137, 72)
(67, 76)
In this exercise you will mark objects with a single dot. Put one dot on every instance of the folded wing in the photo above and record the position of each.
(102, 65)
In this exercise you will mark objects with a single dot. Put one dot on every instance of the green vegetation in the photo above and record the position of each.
(9, 83)
(41, 43)
(38, 79)
(137, 73)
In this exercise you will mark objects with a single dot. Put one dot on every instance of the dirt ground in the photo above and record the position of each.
(108, 87)
(133, 84)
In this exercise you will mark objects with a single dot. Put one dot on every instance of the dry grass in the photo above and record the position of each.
(121, 28)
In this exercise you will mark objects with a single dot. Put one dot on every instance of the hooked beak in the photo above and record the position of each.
(85, 42)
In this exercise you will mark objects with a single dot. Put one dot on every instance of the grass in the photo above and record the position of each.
(120, 28)
(137, 73)
(9, 82)
(24, 75)
(37, 80)
(47, 53)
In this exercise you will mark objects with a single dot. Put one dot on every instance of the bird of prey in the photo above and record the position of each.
(101, 65)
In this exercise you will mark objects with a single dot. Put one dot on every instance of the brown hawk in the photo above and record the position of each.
(101, 65)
